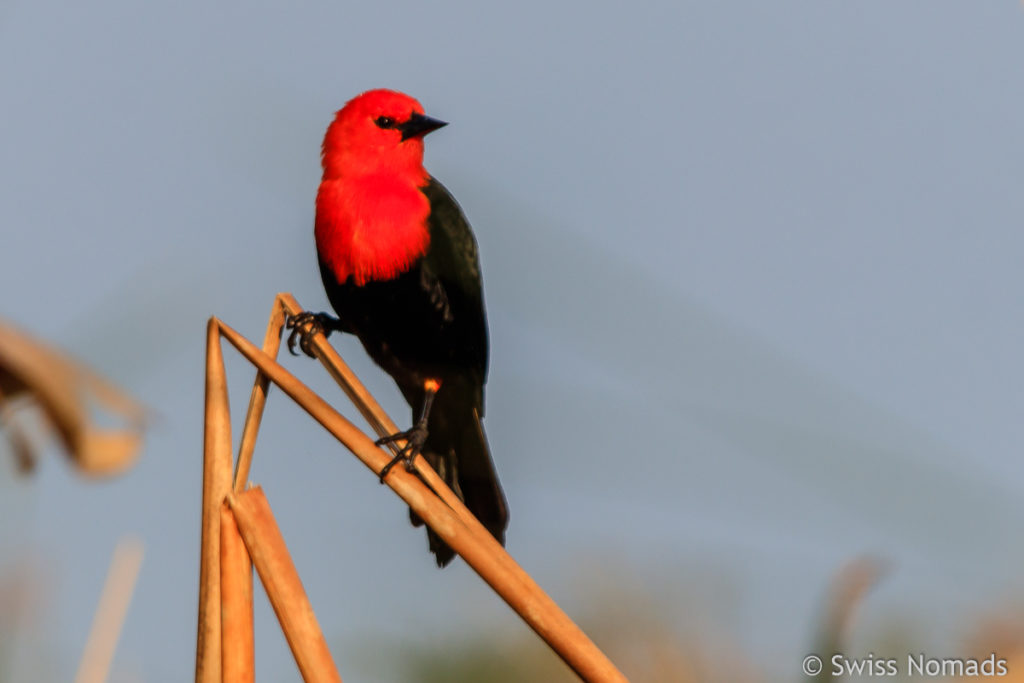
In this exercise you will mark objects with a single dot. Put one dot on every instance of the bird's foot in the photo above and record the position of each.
(414, 439)
(317, 322)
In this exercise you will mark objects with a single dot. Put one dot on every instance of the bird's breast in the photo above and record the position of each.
(371, 228)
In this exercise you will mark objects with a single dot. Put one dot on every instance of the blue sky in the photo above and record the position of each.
(752, 276)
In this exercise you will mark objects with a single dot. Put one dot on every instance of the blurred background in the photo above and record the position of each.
(753, 282)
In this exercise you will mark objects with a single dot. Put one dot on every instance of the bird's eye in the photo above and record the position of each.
(385, 122)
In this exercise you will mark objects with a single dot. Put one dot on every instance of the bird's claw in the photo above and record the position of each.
(414, 439)
(318, 322)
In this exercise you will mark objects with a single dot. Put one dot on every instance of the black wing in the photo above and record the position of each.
(451, 272)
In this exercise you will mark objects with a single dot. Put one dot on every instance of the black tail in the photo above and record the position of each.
(457, 449)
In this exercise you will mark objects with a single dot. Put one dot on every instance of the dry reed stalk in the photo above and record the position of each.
(216, 484)
(237, 641)
(284, 588)
(67, 393)
(258, 398)
(445, 515)
(110, 614)
(847, 591)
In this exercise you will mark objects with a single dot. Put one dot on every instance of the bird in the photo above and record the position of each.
(400, 266)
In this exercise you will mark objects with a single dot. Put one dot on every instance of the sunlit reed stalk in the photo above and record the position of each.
(279, 577)
(216, 483)
(110, 614)
(237, 641)
(429, 497)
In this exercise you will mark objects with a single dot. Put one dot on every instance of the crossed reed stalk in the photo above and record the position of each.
(239, 531)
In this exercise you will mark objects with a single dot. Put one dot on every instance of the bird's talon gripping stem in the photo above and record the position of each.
(318, 322)
(414, 438)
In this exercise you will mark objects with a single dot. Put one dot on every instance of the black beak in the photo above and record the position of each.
(419, 125)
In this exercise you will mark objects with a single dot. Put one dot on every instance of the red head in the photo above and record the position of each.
(380, 130)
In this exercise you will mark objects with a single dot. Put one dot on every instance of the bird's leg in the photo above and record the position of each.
(414, 438)
(318, 322)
